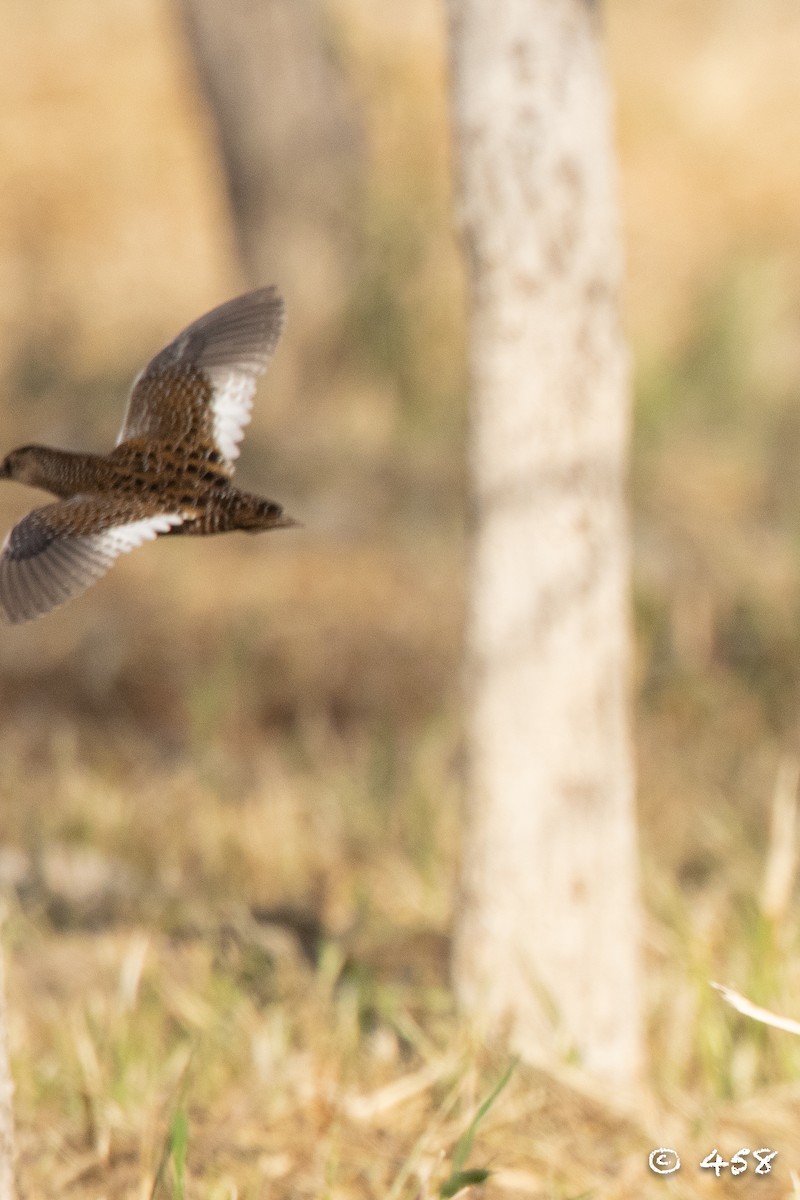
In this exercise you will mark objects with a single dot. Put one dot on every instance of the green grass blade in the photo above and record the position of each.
(464, 1143)
(462, 1179)
(179, 1144)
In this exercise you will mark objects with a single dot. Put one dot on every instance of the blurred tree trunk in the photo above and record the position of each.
(288, 141)
(7, 1191)
(547, 935)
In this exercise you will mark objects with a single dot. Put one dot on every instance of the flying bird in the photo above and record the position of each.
(170, 471)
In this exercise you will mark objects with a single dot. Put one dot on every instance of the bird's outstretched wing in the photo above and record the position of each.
(198, 390)
(58, 551)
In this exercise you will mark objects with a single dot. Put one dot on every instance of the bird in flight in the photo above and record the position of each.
(170, 471)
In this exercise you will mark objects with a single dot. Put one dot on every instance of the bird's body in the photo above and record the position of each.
(139, 471)
(169, 473)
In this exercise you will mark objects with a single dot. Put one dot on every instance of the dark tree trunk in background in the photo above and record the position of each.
(547, 936)
(288, 141)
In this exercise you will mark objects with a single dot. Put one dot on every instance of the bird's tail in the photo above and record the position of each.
(255, 514)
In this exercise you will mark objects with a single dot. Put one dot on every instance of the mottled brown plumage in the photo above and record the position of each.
(169, 473)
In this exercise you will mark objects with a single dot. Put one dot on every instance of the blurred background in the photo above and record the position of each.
(230, 774)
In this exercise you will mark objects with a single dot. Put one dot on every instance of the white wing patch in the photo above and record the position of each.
(231, 405)
(55, 571)
(123, 538)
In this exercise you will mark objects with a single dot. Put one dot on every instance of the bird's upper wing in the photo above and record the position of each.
(58, 551)
(198, 390)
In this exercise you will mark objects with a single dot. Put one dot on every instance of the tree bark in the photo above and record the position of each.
(546, 939)
(288, 141)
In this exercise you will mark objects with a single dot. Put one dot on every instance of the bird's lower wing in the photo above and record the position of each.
(58, 551)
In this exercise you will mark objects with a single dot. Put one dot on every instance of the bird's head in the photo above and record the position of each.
(22, 464)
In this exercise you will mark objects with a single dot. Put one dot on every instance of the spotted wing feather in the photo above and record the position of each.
(199, 389)
(57, 552)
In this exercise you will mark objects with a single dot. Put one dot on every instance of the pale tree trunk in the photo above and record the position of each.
(547, 933)
(7, 1191)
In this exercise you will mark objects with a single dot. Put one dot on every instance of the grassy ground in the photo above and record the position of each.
(230, 776)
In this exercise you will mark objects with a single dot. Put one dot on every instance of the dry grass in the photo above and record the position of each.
(230, 776)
